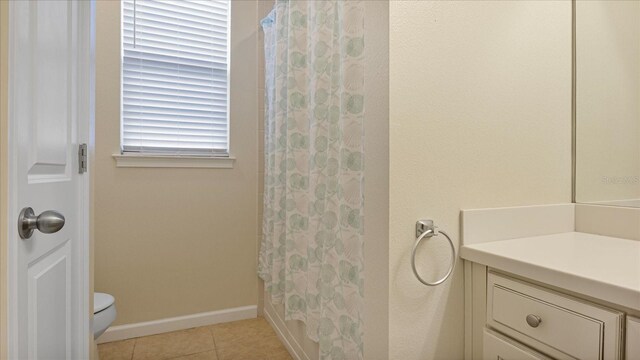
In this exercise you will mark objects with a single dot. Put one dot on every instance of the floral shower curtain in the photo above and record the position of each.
(311, 255)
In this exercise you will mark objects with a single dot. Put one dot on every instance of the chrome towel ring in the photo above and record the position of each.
(425, 229)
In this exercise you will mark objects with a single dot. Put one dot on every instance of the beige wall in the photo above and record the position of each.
(171, 242)
(608, 100)
(376, 188)
(4, 189)
(376, 212)
(480, 108)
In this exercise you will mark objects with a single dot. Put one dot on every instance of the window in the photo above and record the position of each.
(175, 77)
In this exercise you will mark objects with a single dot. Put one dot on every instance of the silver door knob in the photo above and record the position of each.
(533, 320)
(48, 222)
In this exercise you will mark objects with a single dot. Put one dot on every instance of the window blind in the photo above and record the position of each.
(175, 76)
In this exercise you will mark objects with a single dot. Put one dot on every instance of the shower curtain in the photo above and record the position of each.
(311, 254)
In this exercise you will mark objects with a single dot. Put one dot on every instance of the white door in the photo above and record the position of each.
(50, 99)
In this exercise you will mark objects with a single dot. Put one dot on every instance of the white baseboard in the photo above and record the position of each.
(128, 331)
(294, 351)
(277, 323)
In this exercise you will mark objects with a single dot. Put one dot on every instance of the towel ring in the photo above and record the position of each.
(426, 229)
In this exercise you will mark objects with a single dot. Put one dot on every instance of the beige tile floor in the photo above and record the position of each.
(252, 339)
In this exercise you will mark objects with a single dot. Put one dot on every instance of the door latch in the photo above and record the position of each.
(82, 158)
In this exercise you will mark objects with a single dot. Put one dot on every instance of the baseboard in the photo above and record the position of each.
(294, 351)
(288, 340)
(128, 331)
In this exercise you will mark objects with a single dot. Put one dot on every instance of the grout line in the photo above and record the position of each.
(189, 354)
(135, 342)
(215, 346)
(181, 355)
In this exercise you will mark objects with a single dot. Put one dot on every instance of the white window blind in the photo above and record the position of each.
(175, 76)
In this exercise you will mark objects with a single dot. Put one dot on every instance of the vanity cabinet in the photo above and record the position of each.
(563, 295)
(557, 324)
(519, 319)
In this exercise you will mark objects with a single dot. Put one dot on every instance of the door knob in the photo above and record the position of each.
(533, 320)
(48, 222)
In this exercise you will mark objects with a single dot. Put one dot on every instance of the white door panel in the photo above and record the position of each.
(53, 30)
(49, 292)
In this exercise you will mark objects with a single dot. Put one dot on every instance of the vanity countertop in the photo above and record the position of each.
(601, 267)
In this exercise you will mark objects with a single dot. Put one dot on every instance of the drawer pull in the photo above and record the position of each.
(533, 320)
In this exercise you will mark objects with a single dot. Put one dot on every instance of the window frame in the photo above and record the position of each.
(180, 158)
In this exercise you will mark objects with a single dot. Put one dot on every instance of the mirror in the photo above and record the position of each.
(607, 107)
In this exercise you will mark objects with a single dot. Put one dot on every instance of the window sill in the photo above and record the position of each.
(173, 161)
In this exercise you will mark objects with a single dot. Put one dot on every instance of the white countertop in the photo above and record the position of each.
(602, 267)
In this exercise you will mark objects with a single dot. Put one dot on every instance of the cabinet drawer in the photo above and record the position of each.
(559, 325)
(498, 347)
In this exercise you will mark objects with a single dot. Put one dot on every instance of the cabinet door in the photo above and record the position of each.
(498, 347)
(633, 338)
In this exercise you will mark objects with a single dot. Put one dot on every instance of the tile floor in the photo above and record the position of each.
(252, 339)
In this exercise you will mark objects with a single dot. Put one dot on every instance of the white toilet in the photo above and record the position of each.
(104, 313)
